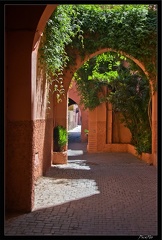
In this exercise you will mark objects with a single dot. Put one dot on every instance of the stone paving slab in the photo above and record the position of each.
(105, 194)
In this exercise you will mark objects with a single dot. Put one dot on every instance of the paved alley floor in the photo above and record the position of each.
(105, 194)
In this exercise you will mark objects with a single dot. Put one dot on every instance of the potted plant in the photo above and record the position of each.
(60, 139)
(86, 132)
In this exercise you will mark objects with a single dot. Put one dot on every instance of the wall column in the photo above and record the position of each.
(60, 111)
(19, 190)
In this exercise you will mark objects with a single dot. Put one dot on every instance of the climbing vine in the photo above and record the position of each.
(131, 97)
(129, 93)
(84, 29)
(87, 28)
(94, 74)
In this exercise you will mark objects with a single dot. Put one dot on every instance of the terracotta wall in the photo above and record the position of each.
(25, 131)
(121, 134)
(43, 130)
(60, 110)
(18, 166)
(19, 126)
(105, 131)
(43, 121)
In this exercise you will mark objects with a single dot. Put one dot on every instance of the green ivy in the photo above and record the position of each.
(130, 93)
(93, 76)
(60, 138)
(85, 29)
(131, 98)
(88, 28)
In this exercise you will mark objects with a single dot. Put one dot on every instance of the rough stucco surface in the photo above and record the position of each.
(18, 166)
(43, 130)
(121, 134)
(19, 171)
(101, 135)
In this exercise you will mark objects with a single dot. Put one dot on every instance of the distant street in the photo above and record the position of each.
(74, 135)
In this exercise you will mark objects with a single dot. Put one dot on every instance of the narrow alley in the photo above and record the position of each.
(105, 194)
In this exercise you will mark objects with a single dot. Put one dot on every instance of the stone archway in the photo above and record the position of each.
(24, 25)
(68, 74)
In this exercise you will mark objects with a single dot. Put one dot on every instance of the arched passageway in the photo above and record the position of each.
(74, 116)
(73, 94)
(28, 123)
(96, 116)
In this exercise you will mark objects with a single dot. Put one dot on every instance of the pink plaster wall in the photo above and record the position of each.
(99, 129)
(43, 130)
(121, 134)
(43, 118)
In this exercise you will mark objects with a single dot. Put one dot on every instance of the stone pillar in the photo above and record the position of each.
(21, 124)
(60, 110)
(60, 116)
(19, 189)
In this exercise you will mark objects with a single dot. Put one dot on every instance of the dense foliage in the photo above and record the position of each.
(84, 29)
(87, 28)
(129, 93)
(132, 97)
(97, 72)
(60, 138)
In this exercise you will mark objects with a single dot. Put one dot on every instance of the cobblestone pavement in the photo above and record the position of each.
(111, 194)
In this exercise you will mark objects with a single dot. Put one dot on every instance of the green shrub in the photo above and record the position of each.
(60, 138)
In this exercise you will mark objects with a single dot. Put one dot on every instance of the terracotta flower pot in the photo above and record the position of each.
(60, 157)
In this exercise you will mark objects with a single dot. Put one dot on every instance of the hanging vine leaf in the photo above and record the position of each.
(87, 28)
(130, 93)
